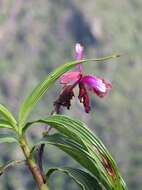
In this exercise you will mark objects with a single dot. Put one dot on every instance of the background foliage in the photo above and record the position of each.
(37, 36)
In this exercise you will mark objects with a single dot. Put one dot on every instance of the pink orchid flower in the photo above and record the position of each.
(85, 83)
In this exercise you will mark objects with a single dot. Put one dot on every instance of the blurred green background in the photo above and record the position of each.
(36, 37)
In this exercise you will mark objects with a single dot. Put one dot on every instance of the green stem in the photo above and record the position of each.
(33, 167)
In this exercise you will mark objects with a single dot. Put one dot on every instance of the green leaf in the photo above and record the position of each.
(5, 124)
(77, 152)
(82, 178)
(90, 143)
(8, 116)
(7, 139)
(43, 86)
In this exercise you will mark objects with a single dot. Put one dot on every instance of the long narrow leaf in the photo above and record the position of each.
(7, 139)
(43, 86)
(78, 132)
(77, 152)
(5, 124)
(7, 115)
(82, 178)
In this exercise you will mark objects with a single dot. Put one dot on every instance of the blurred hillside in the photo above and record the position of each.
(37, 36)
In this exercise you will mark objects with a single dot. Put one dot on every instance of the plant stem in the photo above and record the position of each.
(41, 148)
(33, 167)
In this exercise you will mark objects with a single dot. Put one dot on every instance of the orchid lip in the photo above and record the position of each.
(94, 82)
(97, 84)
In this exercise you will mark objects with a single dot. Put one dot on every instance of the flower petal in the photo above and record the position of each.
(64, 98)
(94, 82)
(84, 97)
(70, 77)
(98, 85)
(79, 51)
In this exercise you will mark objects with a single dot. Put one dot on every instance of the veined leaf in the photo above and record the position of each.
(8, 116)
(77, 131)
(82, 178)
(77, 152)
(7, 139)
(43, 86)
(5, 124)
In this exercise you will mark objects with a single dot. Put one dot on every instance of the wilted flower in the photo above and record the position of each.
(86, 84)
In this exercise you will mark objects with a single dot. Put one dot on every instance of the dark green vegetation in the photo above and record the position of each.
(37, 36)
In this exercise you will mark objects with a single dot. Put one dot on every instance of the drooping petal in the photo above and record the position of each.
(70, 77)
(64, 98)
(98, 85)
(84, 97)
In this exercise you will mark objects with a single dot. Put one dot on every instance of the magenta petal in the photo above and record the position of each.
(98, 85)
(94, 82)
(69, 77)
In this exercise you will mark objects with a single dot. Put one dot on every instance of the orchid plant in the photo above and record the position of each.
(99, 170)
